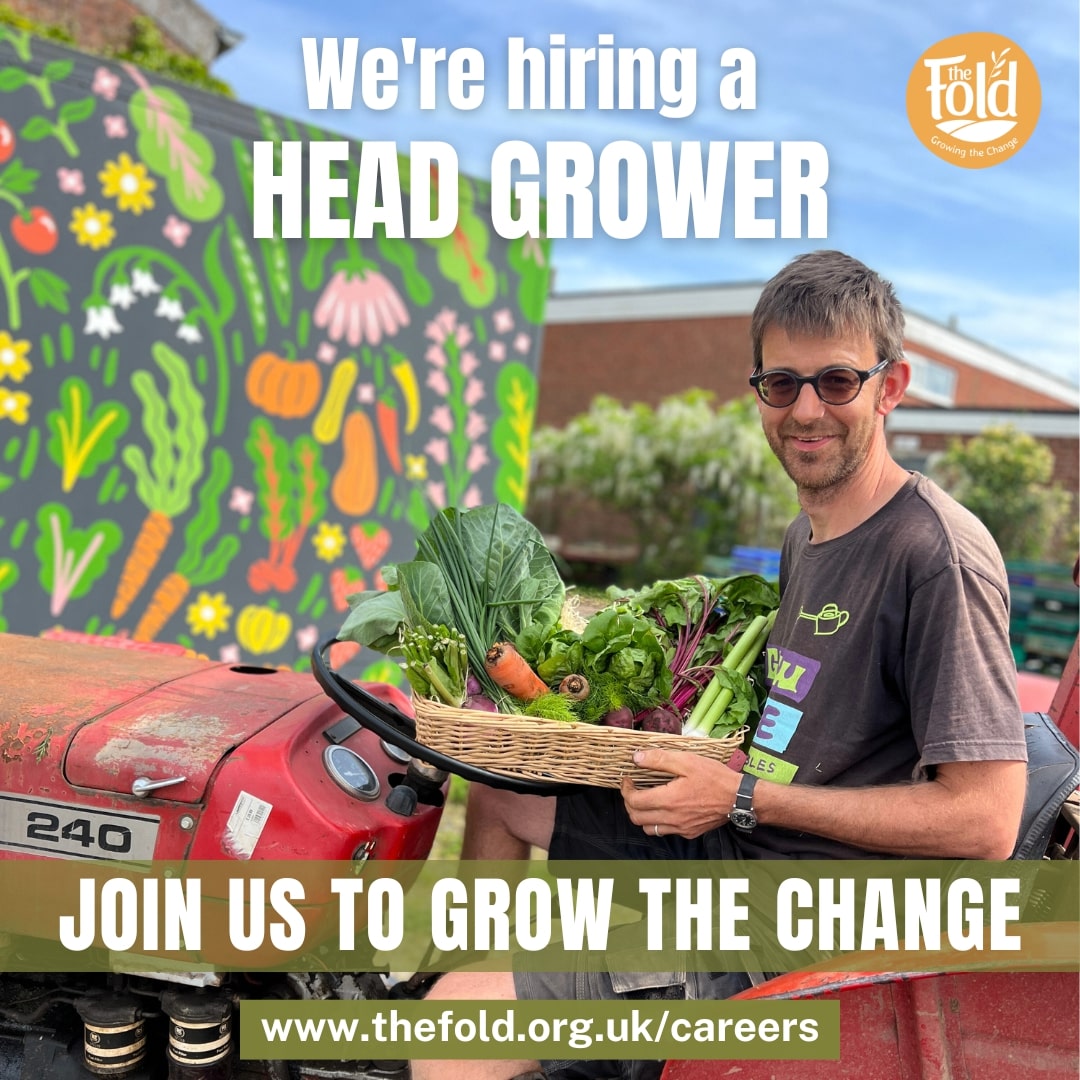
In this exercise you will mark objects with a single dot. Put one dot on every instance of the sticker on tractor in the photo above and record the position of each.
(245, 825)
(66, 831)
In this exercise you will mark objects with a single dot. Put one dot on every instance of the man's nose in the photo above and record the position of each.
(808, 406)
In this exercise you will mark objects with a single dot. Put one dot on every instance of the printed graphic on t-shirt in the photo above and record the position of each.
(827, 621)
(789, 675)
(773, 768)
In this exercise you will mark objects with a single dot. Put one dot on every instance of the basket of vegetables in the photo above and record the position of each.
(507, 676)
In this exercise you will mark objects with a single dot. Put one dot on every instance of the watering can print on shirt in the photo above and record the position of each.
(827, 621)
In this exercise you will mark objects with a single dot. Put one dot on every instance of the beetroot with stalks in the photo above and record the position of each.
(623, 717)
(661, 719)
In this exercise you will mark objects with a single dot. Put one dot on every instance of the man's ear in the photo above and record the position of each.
(897, 380)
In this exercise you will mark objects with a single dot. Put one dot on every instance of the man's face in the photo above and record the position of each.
(820, 446)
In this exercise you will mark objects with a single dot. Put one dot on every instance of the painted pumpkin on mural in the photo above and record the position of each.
(283, 387)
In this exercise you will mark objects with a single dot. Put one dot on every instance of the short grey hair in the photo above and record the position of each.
(830, 294)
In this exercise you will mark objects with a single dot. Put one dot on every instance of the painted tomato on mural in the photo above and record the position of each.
(35, 230)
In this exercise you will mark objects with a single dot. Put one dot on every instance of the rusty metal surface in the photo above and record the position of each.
(978, 1026)
(184, 728)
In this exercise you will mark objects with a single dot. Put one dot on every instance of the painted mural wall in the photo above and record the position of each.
(211, 439)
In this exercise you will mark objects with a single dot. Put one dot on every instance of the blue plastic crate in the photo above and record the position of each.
(751, 560)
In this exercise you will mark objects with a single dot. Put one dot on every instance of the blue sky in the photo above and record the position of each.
(996, 248)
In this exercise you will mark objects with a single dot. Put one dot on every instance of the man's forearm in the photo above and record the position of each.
(970, 810)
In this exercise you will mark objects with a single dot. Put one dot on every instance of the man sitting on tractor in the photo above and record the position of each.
(902, 736)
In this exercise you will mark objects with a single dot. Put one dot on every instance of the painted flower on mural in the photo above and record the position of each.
(92, 227)
(105, 83)
(14, 405)
(168, 307)
(115, 126)
(307, 637)
(229, 654)
(241, 500)
(328, 541)
(474, 392)
(475, 426)
(439, 452)
(360, 306)
(478, 457)
(143, 283)
(442, 418)
(176, 230)
(209, 615)
(13, 362)
(121, 295)
(416, 466)
(505, 337)
(453, 375)
(101, 319)
(127, 182)
(445, 326)
(70, 181)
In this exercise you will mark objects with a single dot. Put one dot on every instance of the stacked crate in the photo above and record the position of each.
(1045, 615)
(755, 560)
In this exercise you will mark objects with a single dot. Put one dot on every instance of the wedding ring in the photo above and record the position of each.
(656, 830)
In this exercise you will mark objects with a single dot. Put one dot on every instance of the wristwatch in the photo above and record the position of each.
(742, 815)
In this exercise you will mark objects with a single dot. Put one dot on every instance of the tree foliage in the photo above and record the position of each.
(145, 47)
(1003, 477)
(694, 479)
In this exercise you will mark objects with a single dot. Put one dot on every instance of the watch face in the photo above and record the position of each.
(743, 820)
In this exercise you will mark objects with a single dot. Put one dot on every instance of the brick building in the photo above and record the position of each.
(644, 345)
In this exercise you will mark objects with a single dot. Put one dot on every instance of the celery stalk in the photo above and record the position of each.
(715, 699)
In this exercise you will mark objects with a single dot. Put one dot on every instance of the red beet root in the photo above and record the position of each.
(662, 720)
(623, 718)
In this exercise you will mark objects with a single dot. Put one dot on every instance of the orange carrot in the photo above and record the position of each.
(168, 596)
(143, 557)
(510, 671)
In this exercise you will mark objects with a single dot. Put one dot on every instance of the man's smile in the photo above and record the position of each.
(809, 441)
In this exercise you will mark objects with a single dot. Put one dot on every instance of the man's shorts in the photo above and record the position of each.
(594, 825)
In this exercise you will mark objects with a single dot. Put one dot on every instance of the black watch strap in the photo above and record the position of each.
(742, 816)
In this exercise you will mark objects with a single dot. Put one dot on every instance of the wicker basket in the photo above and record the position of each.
(532, 748)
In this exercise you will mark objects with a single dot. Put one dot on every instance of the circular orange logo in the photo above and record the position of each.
(974, 99)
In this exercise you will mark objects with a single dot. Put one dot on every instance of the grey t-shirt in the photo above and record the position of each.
(890, 655)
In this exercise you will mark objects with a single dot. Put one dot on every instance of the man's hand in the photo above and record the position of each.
(694, 802)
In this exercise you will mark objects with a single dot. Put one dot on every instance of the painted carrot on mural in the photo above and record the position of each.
(386, 416)
(164, 482)
(194, 568)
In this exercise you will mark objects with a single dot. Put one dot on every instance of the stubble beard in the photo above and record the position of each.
(812, 476)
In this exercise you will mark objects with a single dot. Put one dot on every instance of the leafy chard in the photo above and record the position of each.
(484, 571)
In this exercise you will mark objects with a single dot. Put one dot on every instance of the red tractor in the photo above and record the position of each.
(136, 753)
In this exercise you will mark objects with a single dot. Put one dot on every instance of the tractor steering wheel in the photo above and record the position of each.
(398, 729)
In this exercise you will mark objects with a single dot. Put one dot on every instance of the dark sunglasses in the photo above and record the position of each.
(834, 385)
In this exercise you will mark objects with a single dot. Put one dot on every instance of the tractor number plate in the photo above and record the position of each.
(65, 831)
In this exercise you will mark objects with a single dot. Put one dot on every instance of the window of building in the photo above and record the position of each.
(931, 381)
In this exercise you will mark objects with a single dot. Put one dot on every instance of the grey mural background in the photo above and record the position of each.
(210, 439)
